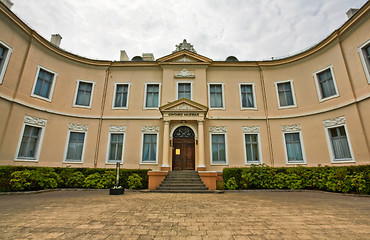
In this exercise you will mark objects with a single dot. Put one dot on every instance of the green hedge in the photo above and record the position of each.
(14, 178)
(348, 179)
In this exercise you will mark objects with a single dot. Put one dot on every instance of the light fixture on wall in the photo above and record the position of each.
(183, 121)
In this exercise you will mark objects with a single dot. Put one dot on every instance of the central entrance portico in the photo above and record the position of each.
(183, 135)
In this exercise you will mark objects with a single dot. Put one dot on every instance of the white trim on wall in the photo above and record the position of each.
(293, 94)
(191, 88)
(218, 130)
(296, 128)
(223, 96)
(365, 63)
(52, 85)
(79, 128)
(318, 87)
(252, 130)
(149, 130)
(334, 123)
(159, 95)
(114, 94)
(116, 130)
(254, 96)
(33, 122)
(6, 60)
(78, 81)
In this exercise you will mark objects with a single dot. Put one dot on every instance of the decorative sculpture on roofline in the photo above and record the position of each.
(185, 45)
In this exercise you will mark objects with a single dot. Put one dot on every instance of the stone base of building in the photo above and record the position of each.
(209, 179)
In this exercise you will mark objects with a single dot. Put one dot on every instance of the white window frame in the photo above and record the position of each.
(116, 130)
(318, 87)
(79, 129)
(304, 161)
(114, 94)
(142, 147)
(223, 96)
(218, 131)
(339, 122)
(76, 93)
(51, 87)
(254, 96)
(191, 88)
(365, 64)
(33, 122)
(252, 130)
(293, 94)
(159, 95)
(6, 60)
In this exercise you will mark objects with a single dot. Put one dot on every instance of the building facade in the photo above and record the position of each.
(184, 110)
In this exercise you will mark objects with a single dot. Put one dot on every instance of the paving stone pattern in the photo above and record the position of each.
(232, 215)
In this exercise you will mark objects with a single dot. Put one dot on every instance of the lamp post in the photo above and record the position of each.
(117, 189)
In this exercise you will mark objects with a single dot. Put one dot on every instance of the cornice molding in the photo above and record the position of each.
(120, 129)
(251, 129)
(150, 129)
(217, 129)
(291, 128)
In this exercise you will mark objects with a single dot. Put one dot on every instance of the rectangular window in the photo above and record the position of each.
(184, 90)
(152, 96)
(293, 147)
(285, 94)
(247, 96)
(216, 96)
(218, 149)
(364, 51)
(44, 84)
(339, 143)
(149, 153)
(30, 142)
(326, 85)
(75, 147)
(83, 94)
(5, 52)
(121, 96)
(251, 148)
(116, 148)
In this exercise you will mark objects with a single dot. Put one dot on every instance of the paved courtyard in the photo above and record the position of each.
(232, 215)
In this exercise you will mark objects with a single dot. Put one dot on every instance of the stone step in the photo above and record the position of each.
(182, 188)
(181, 185)
(184, 191)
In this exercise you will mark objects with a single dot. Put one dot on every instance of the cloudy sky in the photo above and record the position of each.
(247, 29)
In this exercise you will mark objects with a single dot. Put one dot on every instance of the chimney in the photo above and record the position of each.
(148, 56)
(351, 12)
(124, 56)
(56, 39)
(7, 3)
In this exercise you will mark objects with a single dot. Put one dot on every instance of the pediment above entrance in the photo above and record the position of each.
(184, 57)
(183, 109)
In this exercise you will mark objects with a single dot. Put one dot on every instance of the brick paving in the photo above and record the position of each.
(232, 215)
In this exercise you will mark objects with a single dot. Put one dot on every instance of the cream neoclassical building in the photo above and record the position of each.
(184, 110)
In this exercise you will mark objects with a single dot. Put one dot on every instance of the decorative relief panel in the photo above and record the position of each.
(35, 121)
(185, 59)
(184, 74)
(334, 121)
(183, 106)
(217, 129)
(251, 129)
(291, 128)
(77, 127)
(150, 129)
(117, 128)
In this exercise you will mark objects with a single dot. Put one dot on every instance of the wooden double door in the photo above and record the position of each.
(183, 154)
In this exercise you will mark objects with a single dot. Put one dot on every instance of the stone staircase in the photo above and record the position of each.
(183, 182)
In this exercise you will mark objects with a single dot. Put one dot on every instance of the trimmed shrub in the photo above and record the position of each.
(348, 179)
(134, 181)
(41, 178)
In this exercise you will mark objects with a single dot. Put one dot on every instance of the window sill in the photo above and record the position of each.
(26, 160)
(149, 163)
(72, 161)
(328, 98)
(113, 163)
(346, 160)
(81, 106)
(287, 107)
(40, 97)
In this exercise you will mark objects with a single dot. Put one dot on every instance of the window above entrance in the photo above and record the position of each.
(183, 132)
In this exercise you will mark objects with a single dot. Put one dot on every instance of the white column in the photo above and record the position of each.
(166, 145)
(201, 166)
